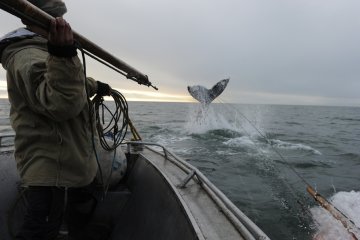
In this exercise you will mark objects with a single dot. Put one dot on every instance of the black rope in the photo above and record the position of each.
(263, 136)
(287, 163)
(91, 114)
(105, 63)
(128, 76)
(111, 132)
(268, 141)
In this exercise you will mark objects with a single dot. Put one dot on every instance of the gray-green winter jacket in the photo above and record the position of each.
(50, 115)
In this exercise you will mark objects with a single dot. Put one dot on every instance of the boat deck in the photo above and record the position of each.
(161, 197)
(211, 222)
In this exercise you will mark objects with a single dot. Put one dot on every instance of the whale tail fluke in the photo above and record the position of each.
(206, 96)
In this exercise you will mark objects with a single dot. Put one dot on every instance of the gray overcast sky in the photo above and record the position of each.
(274, 51)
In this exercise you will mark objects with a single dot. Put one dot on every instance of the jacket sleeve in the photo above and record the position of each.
(91, 86)
(53, 86)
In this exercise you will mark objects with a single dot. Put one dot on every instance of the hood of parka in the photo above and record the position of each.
(15, 39)
(55, 8)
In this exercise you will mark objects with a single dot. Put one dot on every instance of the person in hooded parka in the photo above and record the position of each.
(49, 112)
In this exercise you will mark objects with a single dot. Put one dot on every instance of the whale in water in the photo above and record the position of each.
(206, 96)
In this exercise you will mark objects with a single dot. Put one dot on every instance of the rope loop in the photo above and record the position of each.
(112, 126)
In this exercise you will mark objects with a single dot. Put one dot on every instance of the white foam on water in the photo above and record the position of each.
(328, 227)
(202, 119)
(243, 141)
(294, 146)
(252, 145)
(169, 139)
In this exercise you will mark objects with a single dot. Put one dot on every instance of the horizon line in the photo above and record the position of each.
(194, 102)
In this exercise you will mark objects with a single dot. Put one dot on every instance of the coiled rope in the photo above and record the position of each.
(116, 127)
(112, 133)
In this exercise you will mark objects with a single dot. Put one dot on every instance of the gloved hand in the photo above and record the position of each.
(61, 39)
(103, 89)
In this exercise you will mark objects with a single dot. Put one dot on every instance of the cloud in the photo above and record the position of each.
(133, 95)
(299, 49)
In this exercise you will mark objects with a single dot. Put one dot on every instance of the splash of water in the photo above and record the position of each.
(294, 146)
(330, 228)
(204, 118)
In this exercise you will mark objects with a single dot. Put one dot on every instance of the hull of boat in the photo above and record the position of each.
(157, 199)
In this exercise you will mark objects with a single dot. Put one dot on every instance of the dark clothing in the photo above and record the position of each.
(49, 113)
(47, 207)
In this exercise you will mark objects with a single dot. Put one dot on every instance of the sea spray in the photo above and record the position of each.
(330, 228)
(263, 193)
(203, 118)
(294, 146)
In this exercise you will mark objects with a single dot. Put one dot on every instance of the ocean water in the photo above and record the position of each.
(262, 157)
(4, 117)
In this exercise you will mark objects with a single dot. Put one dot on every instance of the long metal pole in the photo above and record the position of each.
(25, 10)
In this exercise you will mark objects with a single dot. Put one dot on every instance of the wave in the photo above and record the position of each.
(293, 123)
(168, 138)
(349, 156)
(217, 134)
(294, 146)
(243, 141)
(347, 119)
(254, 145)
(327, 226)
(306, 165)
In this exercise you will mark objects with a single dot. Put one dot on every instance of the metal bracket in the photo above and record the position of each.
(187, 179)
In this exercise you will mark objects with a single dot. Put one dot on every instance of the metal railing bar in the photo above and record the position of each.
(213, 190)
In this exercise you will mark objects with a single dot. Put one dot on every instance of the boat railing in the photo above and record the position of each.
(227, 206)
